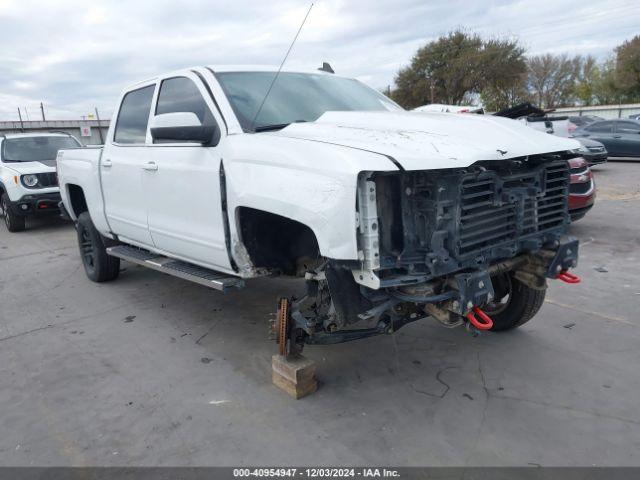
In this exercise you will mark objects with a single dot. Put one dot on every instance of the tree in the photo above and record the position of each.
(455, 66)
(605, 90)
(552, 79)
(460, 66)
(505, 73)
(587, 78)
(627, 70)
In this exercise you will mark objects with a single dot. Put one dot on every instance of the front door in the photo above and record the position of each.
(121, 169)
(185, 207)
(603, 133)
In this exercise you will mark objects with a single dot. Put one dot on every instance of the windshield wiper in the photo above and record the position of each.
(275, 126)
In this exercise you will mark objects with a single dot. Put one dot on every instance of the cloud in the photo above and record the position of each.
(74, 57)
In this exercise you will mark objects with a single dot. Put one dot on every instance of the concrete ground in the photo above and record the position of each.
(152, 370)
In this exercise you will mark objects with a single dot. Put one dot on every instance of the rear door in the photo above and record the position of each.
(628, 134)
(185, 207)
(121, 168)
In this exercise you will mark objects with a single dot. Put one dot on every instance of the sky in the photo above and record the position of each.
(76, 56)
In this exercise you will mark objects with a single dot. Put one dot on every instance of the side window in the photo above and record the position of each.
(180, 94)
(131, 126)
(628, 127)
(600, 127)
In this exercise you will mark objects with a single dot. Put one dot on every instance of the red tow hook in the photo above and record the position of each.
(486, 324)
(567, 277)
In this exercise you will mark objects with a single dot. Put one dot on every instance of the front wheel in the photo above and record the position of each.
(98, 266)
(14, 223)
(514, 304)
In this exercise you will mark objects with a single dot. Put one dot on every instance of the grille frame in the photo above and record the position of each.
(517, 208)
(47, 180)
(427, 232)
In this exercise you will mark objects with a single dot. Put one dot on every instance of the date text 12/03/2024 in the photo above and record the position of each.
(316, 472)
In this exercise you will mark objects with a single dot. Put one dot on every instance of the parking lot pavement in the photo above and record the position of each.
(152, 370)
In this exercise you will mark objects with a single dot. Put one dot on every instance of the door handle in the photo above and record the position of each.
(106, 163)
(151, 166)
(617, 136)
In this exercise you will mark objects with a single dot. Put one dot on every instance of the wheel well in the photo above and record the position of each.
(277, 243)
(77, 199)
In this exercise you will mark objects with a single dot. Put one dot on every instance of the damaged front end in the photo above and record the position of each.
(446, 244)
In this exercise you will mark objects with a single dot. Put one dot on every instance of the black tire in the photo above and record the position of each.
(98, 266)
(520, 304)
(14, 223)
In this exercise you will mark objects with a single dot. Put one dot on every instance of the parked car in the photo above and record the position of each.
(635, 116)
(582, 190)
(621, 138)
(28, 181)
(592, 151)
(390, 216)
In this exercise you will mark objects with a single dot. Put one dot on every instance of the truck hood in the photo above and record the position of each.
(25, 168)
(419, 141)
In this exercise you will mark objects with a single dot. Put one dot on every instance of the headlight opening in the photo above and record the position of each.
(30, 181)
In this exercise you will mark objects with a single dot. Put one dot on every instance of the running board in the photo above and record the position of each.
(187, 271)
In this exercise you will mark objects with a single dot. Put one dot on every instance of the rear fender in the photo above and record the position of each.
(75, 167)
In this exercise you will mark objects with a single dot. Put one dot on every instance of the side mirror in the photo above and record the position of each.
(182, 127)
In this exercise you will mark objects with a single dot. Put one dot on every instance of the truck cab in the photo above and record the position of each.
(228, 173)
(28, 180)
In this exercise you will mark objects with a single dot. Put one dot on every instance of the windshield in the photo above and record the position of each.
(296, 97)
(35, 149)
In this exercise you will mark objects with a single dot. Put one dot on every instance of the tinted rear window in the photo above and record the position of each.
(580, 120)
(131, 126)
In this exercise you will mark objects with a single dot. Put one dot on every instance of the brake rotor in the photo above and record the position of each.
(283, 325)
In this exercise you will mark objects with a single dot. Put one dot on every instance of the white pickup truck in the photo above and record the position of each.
(390, 216)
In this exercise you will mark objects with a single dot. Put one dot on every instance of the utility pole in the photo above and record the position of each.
(99, 127)
(21, 124)
(432, 88)
(42, 110)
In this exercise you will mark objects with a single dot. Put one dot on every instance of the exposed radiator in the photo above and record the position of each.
(497, 210)
(436, 222)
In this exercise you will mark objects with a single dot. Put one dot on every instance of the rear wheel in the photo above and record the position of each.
(514, 304)
(98, 266)
(14, 223)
